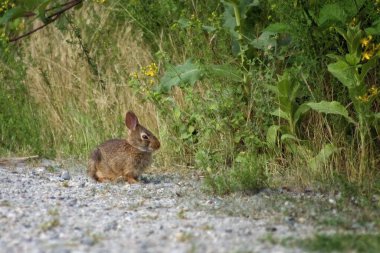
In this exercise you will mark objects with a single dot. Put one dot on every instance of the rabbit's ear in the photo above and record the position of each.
(131, 120)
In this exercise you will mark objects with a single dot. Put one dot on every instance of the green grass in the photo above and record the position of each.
(367, 243)
(247, 174)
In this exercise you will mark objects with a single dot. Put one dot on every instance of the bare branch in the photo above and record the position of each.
(51, 18)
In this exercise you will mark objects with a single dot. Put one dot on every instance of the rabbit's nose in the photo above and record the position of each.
(155, 145)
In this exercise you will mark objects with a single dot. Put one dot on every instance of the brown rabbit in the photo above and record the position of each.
(121, 159)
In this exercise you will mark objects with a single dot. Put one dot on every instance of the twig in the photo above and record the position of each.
(17, 159)
(51, 18)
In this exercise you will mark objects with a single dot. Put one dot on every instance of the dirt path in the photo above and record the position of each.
(44, 208)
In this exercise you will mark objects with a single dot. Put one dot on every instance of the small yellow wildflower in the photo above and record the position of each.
(353, 22)
(373, 91)
(134, 75)
(365, 41)
(363, 98)
(367, 55)
(151, 70)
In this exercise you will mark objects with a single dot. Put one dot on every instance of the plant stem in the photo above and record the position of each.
(363, 153)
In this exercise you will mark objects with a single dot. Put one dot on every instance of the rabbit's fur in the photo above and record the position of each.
(124, 159)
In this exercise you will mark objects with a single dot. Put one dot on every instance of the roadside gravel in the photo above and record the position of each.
(49, 208)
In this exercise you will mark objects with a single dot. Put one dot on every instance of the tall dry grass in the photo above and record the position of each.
(78, 112)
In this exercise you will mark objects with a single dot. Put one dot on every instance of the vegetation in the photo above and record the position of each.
(340, 243)
(239, 89)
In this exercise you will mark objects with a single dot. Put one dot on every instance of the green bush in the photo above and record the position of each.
(20, 129)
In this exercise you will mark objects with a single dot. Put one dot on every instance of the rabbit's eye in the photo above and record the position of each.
(144, 137)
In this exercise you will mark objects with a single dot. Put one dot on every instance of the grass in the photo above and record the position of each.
(79, 113)
(360, 243)
(72, 93)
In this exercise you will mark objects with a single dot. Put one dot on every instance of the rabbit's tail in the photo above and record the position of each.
(92, 164)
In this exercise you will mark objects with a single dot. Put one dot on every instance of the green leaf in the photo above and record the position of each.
(229, 18)
(336, 57)
(323, 156)
(226, 71)
(332, 107)
(301, 110)
(272, 134)
(374, 29)
(278, 28)
(12, 14)
(352, 59)
(184, 23)
(331, 13)
(367, 67)
(286, 137)
(343, 72)
(208, 28)
(281, 114)
(187, 73)
(272, 88)
(265, 41)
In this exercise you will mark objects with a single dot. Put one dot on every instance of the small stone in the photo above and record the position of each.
(73, 202)
(88, 241)
(301, 220)
(271, 229)
(111, 226)
(39, 170)
(65, 175)
(332, 201)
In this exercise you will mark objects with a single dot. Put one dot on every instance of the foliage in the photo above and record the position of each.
(20, 123)
(342, 243)
(16, 13)
(237, 88)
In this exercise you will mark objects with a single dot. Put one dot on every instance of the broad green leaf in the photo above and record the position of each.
(265, 41)
(301, 110)
(208, 28)
(343, 72)
(272, 134)
(226, 71)
(352, 59)
(374, 29)
(272, 88)
(332, 107)
(187, 73)
(367, 67)
(281, 114)
(323, 156)
(229, 18)
(377, 115)
(286, 137)
(184, 23)
(331, 13)
(336, 57)
(278, 28)
(11, 14)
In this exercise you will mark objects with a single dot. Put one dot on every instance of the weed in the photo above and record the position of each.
(52, 222)
(341, 243)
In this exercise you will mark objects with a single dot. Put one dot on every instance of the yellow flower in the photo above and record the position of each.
(365, 41)
(364, 98)
(373, 91)
(134, 75)
(367, 55)
(151, 70)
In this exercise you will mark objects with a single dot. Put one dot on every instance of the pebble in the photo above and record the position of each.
(65, 175)
(164, 213)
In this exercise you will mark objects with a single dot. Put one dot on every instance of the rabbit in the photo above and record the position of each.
(124, 159)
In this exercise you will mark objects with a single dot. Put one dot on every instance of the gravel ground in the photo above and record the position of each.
(49, 208)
